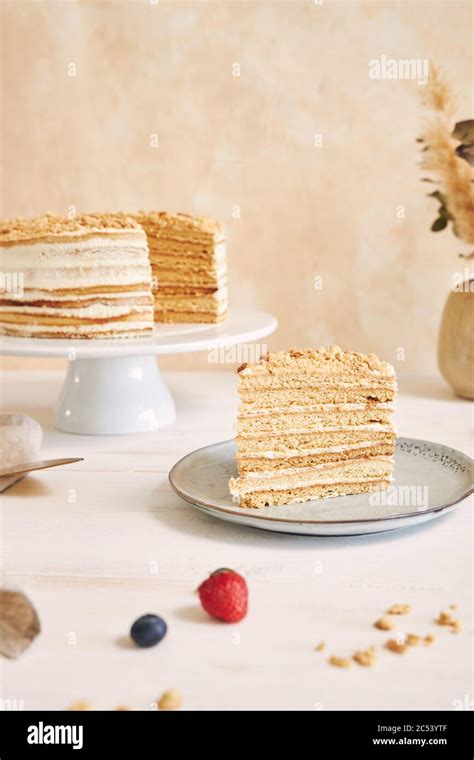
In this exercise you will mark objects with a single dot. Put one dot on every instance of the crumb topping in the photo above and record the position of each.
(49, 225)
(332, 359)
(154, 222)
(157, 221)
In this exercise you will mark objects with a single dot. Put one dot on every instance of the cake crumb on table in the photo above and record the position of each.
(429, 639)
(396, 646)
(170, 700)
(413, 639)
(399, 609)
(320, 647)
(339, 662)
(446, 618)
(365, 657)
(384, 623)
(81, 704)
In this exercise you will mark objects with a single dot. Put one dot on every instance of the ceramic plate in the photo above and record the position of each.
(430, 479)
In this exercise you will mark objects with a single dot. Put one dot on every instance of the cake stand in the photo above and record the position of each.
(115, 386)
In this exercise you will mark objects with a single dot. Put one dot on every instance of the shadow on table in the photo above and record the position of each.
(27, 487)
(185, 519)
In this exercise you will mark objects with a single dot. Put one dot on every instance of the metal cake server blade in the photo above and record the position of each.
(44, 464)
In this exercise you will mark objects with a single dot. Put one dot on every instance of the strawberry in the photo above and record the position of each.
(224, 595)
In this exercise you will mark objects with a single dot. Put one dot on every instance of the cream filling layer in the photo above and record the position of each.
(309, 452)
(323, 467)
(85, 329)
(295, 408)
(50, 295)
(103, 249)
(324, 429)
(51, 279)
(96, 310)
(375, 470)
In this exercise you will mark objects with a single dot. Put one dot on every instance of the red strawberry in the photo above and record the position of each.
(224, 595)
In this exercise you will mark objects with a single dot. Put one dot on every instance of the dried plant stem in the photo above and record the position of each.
(455, 176)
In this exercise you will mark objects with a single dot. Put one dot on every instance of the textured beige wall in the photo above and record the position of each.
(166, 69)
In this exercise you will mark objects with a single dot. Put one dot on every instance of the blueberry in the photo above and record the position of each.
(148, 630)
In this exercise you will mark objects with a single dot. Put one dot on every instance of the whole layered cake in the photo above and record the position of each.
(84, 277)
(313, 424)
(188, 261)
(110, 275)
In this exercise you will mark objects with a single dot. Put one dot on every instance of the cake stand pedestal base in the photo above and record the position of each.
(114, 386)
(114, 395)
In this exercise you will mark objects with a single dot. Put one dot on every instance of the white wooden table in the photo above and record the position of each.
(101, 542)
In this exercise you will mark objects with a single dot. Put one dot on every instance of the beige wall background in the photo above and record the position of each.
(87, 85)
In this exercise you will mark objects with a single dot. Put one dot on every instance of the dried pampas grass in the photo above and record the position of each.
(454, 176)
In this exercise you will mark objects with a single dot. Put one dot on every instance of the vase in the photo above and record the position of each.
(456, 340)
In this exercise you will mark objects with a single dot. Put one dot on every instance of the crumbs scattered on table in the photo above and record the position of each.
(170, 700)
(339, 662)
(399, 647)
(384, 623)
(365, 657)
(399, 609)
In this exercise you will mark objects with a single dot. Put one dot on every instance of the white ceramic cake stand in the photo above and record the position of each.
(115, 386)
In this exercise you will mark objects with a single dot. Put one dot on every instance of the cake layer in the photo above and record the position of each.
(292, 382)
(307, 493)
(50, 298)
(187, 252)
(94, 313)
(311, 458)
(290, 442)
(187, 284)
(197, 317)
(329, 473)
(172, 291)
(318, 394)
(255, 410)
(309, 421)
(122, 329)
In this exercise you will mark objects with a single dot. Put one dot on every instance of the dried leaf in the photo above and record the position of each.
(439, 224)
(466, 151)
(19, 623)
(464, 131)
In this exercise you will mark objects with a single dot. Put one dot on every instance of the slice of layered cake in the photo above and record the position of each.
(188, 261)
(84, 277)
(313, 424)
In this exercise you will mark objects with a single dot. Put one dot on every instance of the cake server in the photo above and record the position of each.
(44, 464)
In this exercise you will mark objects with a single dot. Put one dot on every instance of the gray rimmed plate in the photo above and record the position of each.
(430, 480)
